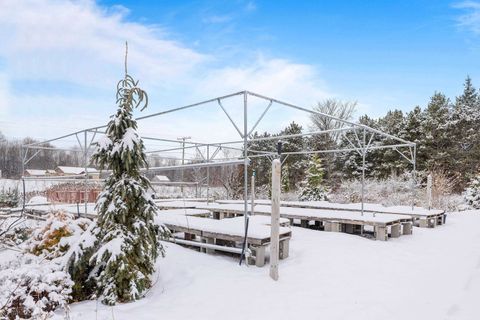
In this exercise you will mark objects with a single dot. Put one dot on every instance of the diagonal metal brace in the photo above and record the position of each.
(230, 118)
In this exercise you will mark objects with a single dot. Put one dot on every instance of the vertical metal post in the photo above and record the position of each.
(24, 197)
(429, 191)
(208, 174)
(275, 221)
(414, 175)
(85, 154)
(252, 191)
(364, 152)
(183, 161)
(245, 176)
(245, 159)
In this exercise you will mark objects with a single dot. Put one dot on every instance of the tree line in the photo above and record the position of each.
(446, 132)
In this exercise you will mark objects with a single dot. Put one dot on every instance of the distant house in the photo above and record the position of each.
(72, 192)
(74, 171)
(35, 173)
(160, 179)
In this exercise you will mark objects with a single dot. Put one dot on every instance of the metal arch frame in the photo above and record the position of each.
(361, 146)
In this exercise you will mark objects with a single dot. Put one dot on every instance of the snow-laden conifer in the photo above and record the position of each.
(312, 188)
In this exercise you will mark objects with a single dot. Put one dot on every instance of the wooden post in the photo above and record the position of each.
(275, 227)
(429, 191)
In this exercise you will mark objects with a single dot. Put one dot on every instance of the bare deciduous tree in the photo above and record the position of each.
(340, 109)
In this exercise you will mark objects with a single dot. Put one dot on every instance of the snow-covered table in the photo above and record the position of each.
(330, 220)
(422, 217)
(225, 235)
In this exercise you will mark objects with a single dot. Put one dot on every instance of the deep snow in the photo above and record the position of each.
(434, 274)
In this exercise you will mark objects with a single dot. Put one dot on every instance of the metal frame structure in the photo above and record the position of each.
(362, 142)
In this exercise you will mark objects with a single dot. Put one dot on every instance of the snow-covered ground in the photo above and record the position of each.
(434, 274)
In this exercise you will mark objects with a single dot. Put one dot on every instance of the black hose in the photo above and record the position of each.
(242, 256)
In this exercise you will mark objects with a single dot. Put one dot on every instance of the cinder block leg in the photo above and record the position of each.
(423, 223)
(381, 233)
(221, 215)
(327, 226)
(210, 241)
(189, 236)
(304, 223)
(259, 253)
(395, 230)
(439, 220)
(336, 227)
(349, 228)
(444, 218)
(284, 248)
(407, 228)
(204, 250)
(432, 222)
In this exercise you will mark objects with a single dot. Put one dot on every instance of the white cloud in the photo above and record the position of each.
(79, 43)
(470, 20)
(4, 95)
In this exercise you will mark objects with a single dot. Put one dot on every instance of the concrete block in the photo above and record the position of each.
(259, 253)
(210, 241)
(381, 233)
(284, 248)
(423, 223)
(407, 228)
(395, 230)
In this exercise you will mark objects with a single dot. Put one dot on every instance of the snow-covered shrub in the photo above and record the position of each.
(60, 239)
(472, 193)
(32, 288)
(312, 188)
(55, 238)
(396, 190)
(9, 198)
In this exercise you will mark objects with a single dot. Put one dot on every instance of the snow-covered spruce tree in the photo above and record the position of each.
(312, 188)
(126, 235)
(472, 193)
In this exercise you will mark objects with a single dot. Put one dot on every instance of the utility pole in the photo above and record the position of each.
(183, 157)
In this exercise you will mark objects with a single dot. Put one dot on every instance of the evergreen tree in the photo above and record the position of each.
(124, 237)
(472, 193)
(285, 179)
(436, 145)
(466, 131)
(295, 162)
(312, 188)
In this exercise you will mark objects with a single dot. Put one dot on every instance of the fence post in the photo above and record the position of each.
(275, 223)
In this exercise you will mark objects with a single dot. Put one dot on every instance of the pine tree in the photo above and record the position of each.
(472, 193)
(436, 144)
(126, 237)
(295, 162)
(285, 179)
(312, 188)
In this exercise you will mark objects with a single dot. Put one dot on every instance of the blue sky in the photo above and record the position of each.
(58, 60)
(401, 49)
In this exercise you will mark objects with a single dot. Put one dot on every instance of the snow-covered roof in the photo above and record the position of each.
(161, 179)
(75, 170)
(36, 172)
